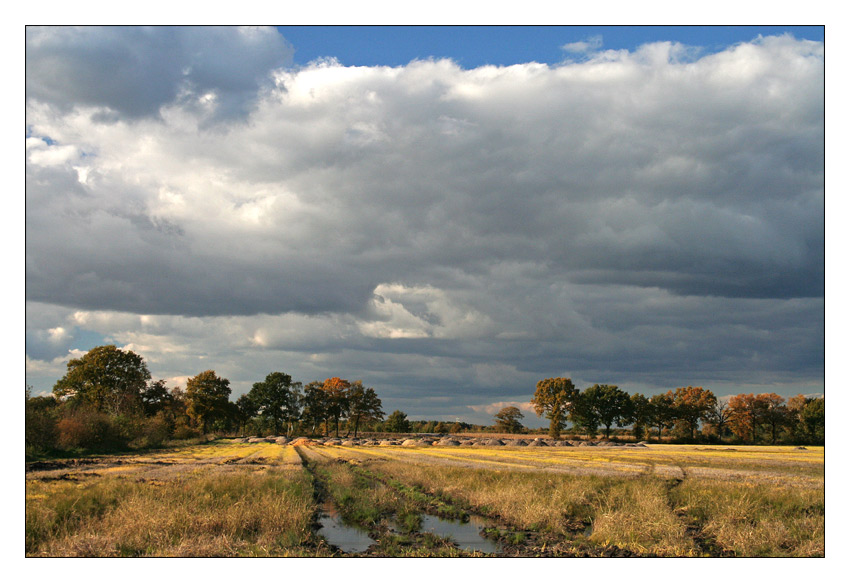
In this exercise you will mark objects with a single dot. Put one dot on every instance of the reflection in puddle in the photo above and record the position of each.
(345, 538)
(465, 534)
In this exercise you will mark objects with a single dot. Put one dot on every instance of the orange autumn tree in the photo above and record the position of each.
(742, 416)
(335, 391)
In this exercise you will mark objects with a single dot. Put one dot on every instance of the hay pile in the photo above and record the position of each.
(302, 441)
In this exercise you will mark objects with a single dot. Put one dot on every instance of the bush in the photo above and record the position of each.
(183, 431)
(152, 432)
(87, 429)
(40, 432)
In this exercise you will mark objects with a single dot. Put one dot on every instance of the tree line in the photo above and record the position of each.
(686, 413)
(107, 400)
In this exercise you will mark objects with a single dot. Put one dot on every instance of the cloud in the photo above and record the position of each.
(135, 71)
(637, 217)
(591, 44)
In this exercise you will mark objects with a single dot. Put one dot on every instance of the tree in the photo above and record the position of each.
(610, 406)
(277, 400)
(661, 408)
(397, 423)
(207, 396)
(641, 415)
(336, 400)
(772, 412)
(691, 405)
(155, 398)
(363, 405)
(718, 418)
(246, 410)
(584, 411)
(552, 399)
(314, 411)
(743, 416)
(40, 423)
(507, 420)
(106, 378)
(813, 420)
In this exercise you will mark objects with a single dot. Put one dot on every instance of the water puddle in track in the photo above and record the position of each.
(345, 538)
(467, 535)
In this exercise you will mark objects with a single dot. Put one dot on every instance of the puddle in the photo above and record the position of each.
(465, 534)
(345, 538)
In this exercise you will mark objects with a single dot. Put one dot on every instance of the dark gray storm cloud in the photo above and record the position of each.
(642, 216)
(134, 71)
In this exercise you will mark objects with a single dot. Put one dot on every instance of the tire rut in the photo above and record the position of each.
(706, 545)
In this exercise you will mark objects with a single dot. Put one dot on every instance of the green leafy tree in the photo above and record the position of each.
(772, 413)
(552, 399)
(584, 411)
(364, 406)
(155, 398)
(107, 379)
(40, 423)
(813, 420)
(611, 406)
(641, 415)
(508, 420)
(207, 396)
(315, 407)
(692, 405)
(246, 410)
(661, 410)
(277, 400)
(397, 423)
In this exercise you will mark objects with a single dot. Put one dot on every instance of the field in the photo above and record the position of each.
(231, 498)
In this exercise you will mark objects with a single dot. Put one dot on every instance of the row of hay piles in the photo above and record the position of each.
(447, 441)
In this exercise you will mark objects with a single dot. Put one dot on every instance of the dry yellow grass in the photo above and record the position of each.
(191, 503)
(235, 499)
(752, 502)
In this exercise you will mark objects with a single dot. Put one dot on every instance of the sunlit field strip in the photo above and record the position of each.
(635, 462)
(397, 454)
(537, 459)
(557, 460)
(782, 454)
(675, 457)
(400, 454)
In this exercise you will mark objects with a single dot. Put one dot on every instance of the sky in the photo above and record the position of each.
(449, 214)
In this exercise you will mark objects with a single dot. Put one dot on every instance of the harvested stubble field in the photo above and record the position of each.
(229, 498)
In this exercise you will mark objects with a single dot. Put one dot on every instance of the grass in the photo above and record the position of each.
(235, 499)
(754, 520)
(264, 512)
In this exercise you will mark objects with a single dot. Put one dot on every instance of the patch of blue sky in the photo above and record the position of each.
(474, 46)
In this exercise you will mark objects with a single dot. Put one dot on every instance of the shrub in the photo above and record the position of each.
(40, 431)
(182, 431)
(88, 429)
(152, 432)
